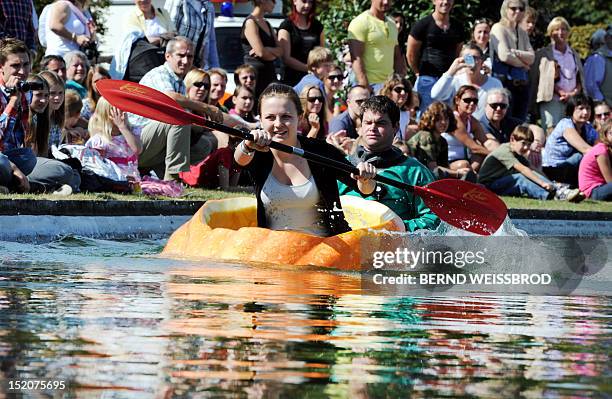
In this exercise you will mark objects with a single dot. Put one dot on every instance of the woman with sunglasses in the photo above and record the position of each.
(297, 35)
(203, 141)
(467, 69)
(556, 75)
(512, 55)
(313, 120)
(334, 82)
(466, 147)
(399, 89)
(602, 113)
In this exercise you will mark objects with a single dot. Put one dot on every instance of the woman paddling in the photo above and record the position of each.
(293, 193)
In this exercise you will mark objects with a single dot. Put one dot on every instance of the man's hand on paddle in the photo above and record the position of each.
(367, 172)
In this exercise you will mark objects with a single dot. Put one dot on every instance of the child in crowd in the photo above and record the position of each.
(243, 99)
(320, 62)
(595, 171)
(56, 106)
(506, 171)
(73, 133)
(217, 170)
(245, 75)
(112, 136)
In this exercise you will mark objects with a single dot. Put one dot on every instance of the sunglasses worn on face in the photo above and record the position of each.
(602, 115)
(334, 77)
(399, 89)
(199, 85)
(515, 9)
(498, 105)
(313, 99)
(470, 100)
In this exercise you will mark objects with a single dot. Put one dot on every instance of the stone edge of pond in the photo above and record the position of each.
(168, 208)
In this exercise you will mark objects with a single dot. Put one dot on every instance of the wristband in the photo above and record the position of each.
(74, 37)
(246, 150)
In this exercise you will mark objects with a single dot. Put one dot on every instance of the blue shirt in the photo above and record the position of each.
(310, 79)
(343, 122)
(557, 149)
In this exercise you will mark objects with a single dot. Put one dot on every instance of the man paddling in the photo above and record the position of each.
(380, 122)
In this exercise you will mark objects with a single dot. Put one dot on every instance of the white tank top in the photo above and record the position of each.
(456, 150)
(292, 207)
(57, 45)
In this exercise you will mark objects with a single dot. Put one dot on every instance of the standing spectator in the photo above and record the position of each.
(373, 45)
(556, 59)
(528, 24)
(598, 67)
(68, 27)
(195, 20)
(259, 44)
(480, 37)
(434, 42)
(333, 87)
(402, 31)
(595, 171)
(56, 106)
(572, 137)
(14, 68)
(152, 21)
(320, 62)
(218, 83)
(16, 21)
(398, 89)
(349, 121)
(95, 74)
(54, 63)
(77, 67)
(512, 55)
(297, 35)
(313, 121)
(463, 73)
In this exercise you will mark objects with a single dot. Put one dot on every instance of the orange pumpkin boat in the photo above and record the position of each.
(226, 229)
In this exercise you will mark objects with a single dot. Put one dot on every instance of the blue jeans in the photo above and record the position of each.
(423, 86)
(602, 193)
(573, 161)
(23, 158)
(6, 172)
(517, 185)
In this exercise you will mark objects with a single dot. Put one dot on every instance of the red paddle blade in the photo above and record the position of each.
(145, 101)
(465, 205)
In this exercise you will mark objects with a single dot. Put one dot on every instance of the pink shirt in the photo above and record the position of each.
(569, 69)
(589, 174)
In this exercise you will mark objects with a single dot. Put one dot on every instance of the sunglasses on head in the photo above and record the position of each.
(498, 105)
(335, 77)
(399, 89)
(470, 100)
(515, 9)
(602, 115)
(199, 85)
(313, 99)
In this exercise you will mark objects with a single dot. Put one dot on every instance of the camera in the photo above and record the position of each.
(469, 60)
(25, 87)
(91, 50)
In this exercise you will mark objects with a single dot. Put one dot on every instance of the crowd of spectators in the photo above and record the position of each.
(490, 105)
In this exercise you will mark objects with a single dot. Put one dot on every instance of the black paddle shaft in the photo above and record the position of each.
(308, 155)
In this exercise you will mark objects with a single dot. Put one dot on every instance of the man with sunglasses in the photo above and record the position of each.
(350, 120)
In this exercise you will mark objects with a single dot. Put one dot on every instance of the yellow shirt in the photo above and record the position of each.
(379, 39)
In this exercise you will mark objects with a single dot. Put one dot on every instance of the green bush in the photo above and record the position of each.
(580, 37)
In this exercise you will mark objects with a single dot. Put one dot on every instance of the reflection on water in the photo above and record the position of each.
(116, 324)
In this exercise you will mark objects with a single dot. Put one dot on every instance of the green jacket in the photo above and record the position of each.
(412, 209)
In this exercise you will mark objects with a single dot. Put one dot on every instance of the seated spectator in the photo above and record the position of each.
(556, 75)
(89, 103)
(572, 137)
(245, 75)
(218, 83)
(320, 62)
(243, 100)
(54, 63)
(350, 120)
(48, 175)
(72, 132)
(602, 114)
(598, 68)
(203, 141)
(466, 144)
(595, 171)
(429, 147)
(18, 160)
(77, 67)
(334, 82)
(56, 106)
(466, 70)
(153, 21)
(115, 140)
(313, 121)
(398, 89)
(506, 171)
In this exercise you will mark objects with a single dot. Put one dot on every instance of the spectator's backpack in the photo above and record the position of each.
(144, 56)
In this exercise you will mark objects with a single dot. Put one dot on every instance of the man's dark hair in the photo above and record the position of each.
(576, 101)
(44, 63)
(382, 105)
(10, 45)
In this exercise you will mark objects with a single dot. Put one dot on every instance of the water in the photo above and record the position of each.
(112, 320)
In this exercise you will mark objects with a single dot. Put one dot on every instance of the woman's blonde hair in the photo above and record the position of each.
(503, 11)
(197, 75)
(100, 122)
(604, 128)
(556, 23)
